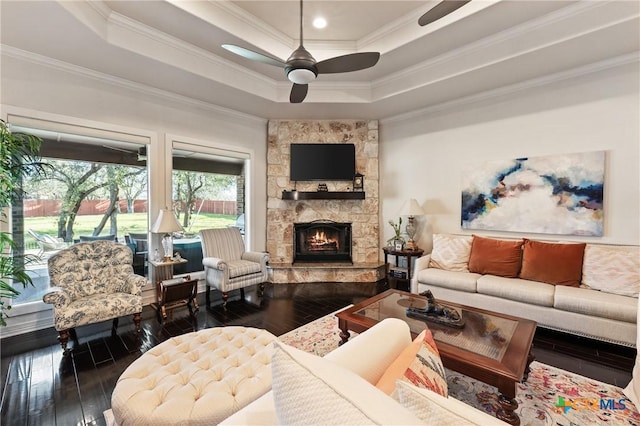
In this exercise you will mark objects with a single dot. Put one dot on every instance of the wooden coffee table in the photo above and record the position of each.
(493, 348)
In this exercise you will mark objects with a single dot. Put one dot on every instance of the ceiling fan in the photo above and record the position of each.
(441, 10)
(301, 67)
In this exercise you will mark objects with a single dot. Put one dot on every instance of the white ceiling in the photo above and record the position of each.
(174, 46)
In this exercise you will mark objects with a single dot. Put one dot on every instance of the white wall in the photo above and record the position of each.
(422, 156)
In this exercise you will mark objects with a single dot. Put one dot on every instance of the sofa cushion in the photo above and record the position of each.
(612, 269)
(419, 364)
(553, 263)
(451, 252)
(632, 391)
(495, 257)
(308, 389)
(595, 303)
(462, 281)
(520, 290)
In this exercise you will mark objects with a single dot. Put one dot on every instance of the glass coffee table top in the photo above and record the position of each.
(484, 334)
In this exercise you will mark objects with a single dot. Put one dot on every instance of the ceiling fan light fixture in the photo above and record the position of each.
(301, 76)
(319, 22)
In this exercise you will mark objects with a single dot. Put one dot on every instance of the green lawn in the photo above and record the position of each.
(134, 222)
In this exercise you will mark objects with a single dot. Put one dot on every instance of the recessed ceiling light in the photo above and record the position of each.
(320, 22)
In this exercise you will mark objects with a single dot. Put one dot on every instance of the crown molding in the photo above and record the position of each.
(516, 88)
(533, 35)
(236, 21)
(128, 85)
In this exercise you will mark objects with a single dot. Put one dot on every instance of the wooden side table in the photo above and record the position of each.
(399, 274)
(173, 292)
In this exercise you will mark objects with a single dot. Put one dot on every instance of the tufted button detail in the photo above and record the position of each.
(193, 370)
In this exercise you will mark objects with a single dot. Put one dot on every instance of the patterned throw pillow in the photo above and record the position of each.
(612, 269)
(451, 252)
(424, 369)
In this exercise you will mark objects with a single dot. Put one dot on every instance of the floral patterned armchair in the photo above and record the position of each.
(93, 282)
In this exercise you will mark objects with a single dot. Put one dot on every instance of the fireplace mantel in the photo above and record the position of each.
(322, 195)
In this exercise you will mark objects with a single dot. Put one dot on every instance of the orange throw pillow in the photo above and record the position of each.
(495, 257)
(395, 370)
(553, 263)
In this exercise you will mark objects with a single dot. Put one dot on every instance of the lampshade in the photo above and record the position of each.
(411, 208)
(166, 223)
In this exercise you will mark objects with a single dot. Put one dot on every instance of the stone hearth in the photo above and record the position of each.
(362, 214)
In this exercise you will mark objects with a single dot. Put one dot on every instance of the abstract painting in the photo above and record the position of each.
(560, 194)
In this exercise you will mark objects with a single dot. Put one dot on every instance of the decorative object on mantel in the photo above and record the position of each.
(167, 224)
(322, 187)
(411, 208)
(322, 195)
(358, 182)
(559, 194)
(396, 241)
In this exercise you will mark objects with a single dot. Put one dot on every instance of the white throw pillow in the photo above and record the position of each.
(451, 252)
(612, 269)
(436, 410)
(308, 389)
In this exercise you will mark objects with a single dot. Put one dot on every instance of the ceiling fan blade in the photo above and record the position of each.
(441, 10)
(298, 93)
(348, 63)
(254, 56)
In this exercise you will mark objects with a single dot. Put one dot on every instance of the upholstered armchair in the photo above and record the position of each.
(90, 283)
(227, 265)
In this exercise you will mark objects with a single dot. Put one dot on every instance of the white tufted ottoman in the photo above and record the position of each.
(199, 378)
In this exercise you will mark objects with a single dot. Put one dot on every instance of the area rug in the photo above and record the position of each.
(549, 397)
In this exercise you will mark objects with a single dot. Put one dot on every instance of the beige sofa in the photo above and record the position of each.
(338, 389)
(603, 306)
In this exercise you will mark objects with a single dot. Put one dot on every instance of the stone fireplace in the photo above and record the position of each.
(321, 241)
(362, 263)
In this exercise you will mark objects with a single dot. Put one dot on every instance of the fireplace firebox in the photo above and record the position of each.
(322, 241)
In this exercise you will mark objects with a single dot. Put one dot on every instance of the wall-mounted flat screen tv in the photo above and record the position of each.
(322, 161)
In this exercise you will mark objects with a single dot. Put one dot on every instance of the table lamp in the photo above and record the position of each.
(167, 224)
(411, 209)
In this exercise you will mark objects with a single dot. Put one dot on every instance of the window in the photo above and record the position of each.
(92, 188)
(207, 192)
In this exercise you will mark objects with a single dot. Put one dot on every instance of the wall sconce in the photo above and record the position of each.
(411, 209)
(167, 224)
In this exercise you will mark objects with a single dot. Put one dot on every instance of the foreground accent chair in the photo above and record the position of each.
(227, 265)
(90, 283)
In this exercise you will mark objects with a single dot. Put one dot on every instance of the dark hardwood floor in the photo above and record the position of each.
(40, 386)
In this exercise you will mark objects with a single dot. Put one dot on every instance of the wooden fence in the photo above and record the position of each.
(40, 208)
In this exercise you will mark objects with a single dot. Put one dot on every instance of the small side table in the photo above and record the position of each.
(173, 292)
(395, 273)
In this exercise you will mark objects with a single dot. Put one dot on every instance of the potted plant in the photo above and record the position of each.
(396, 241)
(19, 157)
